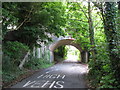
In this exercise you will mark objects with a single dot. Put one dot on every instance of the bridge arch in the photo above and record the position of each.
(65, 42)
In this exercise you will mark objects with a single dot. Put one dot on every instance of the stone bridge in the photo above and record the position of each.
(47, 52)
(67, 41)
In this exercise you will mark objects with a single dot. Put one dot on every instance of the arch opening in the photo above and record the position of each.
(67, 53)
(64, 42)
(72, 54)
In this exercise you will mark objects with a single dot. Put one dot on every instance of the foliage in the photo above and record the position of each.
(36, 63)
(14, 50)
(10, 71)
(97, 68)
(106, 67)
(112, 37)
(76, 26)
(38, 20)
(60, 53)
(9, 12)
(13, 54)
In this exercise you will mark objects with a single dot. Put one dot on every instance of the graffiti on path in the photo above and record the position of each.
(47, 83)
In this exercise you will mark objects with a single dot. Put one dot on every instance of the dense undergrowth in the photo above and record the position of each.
(36, 63)
(60, 54)
(14, 52)
(101, 74)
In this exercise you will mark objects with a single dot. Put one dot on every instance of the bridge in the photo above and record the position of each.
(67, 41)
(47, 52)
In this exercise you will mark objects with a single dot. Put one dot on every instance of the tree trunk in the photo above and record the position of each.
(91, 31)
(112, 36)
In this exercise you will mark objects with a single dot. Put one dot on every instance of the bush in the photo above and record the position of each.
(100, 74)
(60, 51)
(37, 63)
(15, 51)
(10, 71)
(60, 54)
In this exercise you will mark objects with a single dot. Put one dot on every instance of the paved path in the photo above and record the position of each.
(63, 75)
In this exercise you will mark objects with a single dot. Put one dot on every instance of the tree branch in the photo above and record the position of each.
(100, 7)
(24, 19)
(83, 10)
(96, 24)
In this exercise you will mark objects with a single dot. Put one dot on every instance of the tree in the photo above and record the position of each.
(77, 23)
(111, 34)
(91, 31)
(38, 20)
(111, 29)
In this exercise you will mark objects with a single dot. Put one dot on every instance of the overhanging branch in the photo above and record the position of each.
(28, 16)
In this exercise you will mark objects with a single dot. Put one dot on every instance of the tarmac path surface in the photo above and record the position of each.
(62, 75)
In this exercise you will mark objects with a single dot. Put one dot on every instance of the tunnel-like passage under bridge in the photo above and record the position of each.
(68, 41)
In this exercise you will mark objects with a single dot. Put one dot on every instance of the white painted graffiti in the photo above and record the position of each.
(44, 84)
(51, 76)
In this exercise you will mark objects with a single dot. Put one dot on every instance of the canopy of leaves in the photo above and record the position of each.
(33, 21)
